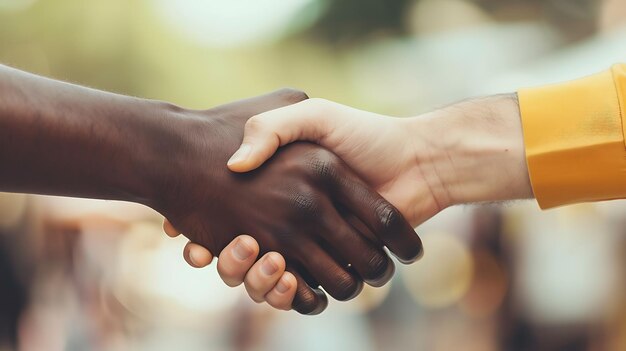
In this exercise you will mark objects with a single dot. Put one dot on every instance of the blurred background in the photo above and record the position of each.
(94, 275)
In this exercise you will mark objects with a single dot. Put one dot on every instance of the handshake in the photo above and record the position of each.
(319, 189)
(320, 215)
(304, 203)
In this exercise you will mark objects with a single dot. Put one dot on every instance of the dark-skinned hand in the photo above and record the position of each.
(305, 203)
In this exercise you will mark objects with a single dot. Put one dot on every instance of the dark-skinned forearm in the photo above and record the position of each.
(62, 139)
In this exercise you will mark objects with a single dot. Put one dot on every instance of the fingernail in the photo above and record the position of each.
(241, 154)
(193, 260)
(269, 267)
(282, 286)
(242, 250)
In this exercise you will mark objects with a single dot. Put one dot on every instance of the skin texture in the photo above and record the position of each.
(311, 190)
(467, 152)
(306, 204)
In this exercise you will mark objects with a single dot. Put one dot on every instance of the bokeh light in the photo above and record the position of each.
(153, 281)
(443, 275)
(81, 274)
(235, 22)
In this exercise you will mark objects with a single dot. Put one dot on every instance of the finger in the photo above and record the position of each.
(266, 132)
(197, 256)
(236, 259)
(336, 280)
(169, 229)
(307, 300)
(264, 275)
(371, 262)
(381, 217)
(283, 293)
(358, 225)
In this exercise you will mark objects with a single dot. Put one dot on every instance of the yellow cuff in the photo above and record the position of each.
(574, 139)
(619, 77)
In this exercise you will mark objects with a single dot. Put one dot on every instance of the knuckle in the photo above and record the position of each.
(390, 218)
(323, 164)
(321, 103)
(229, 275)
(253, 292)
(320, 106)
(377, 267)
(230, 281)
(412, 252)
(277, 303)
(347, 288)
(323, 106)
(256, 298)
(305, 203)
(282, 301)
(317, 102)
(305, 301)
(293, 95)
(254, 123)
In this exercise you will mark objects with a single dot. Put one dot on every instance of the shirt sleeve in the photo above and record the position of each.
(574, 139)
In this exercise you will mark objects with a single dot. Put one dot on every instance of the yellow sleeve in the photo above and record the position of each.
(574, 138)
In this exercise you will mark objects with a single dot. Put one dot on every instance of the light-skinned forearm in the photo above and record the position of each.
(476, 151)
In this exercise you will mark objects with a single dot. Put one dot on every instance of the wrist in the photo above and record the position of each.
(475, 151)
(161, 133)
(183, 146)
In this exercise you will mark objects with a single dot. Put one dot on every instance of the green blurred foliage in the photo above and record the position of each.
(352, 21)
(125, 46)
(83, 41)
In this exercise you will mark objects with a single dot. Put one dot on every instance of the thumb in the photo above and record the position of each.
(266, 132)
